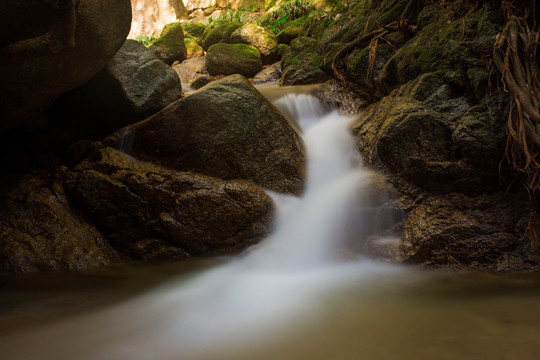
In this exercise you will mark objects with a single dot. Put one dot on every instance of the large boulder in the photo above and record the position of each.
(170, 47)
(260, 38)
(134, 85)
(41, 230)
(228, 59)
(151, 213)
(219, 34)
(39, 61)
(226, 130)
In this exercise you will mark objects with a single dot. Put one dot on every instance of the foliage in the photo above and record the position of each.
(291, 10)
(147, 40)
(234, 16)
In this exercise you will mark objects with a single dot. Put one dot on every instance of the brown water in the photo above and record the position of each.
(395, 313)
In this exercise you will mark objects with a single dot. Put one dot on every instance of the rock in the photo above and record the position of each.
(303, 74)
(147, 84)
(144, 207)
(42, 230)
(170, 47)
(134, 85)
(190, 69)
(289, 33)
(219, 34)
(271, 74)
(298, 64)
(426, 133)
(201, 81)
(193, 49)
(482, 233)
(27, 88)
(260, 38)
(228, 59)
(226, 130)
(193, 28)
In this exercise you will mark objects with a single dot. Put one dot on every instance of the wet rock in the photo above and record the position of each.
(226, 130)
(260, 38)
(27, 88)
(41, 230)
(271, 74)
(484, 233)
(151, 213)
(170, 47)
(228, 59)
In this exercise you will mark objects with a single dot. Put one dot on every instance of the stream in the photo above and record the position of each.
(305, 292)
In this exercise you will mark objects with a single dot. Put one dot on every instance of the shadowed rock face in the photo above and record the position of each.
(226, 130)
(41, 230)
(151, 213)
(31, 80)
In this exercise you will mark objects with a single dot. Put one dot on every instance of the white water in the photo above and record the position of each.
(263, 293)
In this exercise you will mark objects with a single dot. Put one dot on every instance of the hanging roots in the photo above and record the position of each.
(515, 56)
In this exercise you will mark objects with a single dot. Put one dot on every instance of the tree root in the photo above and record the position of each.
(372, 38)
(515, 56)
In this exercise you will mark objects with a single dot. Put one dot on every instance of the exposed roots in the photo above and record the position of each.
(515, 54)
(372, 39)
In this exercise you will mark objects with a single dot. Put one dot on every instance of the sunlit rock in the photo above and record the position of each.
(260, 38)
(228, 59)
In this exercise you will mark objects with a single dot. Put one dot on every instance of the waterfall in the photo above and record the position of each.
(267, 291)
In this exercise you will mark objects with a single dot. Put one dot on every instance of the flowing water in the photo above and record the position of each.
(305, 292)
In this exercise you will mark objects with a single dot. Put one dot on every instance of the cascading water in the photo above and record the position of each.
(305, 292)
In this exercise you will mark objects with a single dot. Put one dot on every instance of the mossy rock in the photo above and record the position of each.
(282, 49)
(291, 31)
(228, 59)
(302, 49)
(193, 28)
(170, 47)
(445, 43)
(193, 48)
(219, 34)
(260, 38)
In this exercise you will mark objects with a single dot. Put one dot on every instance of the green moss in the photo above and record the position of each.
(236, 50)
(220, 34)
(171, 36)
(195, 29)
(193, 48)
